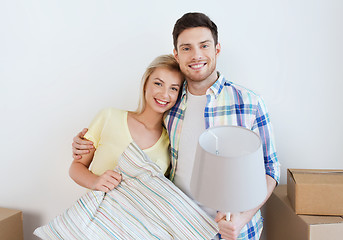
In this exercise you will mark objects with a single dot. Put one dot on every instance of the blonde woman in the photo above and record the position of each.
(113, 130)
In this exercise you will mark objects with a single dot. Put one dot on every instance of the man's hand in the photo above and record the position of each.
(81, 145)
(107, 181)
(230, 230)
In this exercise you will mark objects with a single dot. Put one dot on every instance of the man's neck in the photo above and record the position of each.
(200, 87)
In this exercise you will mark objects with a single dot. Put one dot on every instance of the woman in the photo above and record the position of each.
(113, 130)
(146, 205)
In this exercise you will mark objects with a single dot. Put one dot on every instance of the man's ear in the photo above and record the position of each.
(218, 49)
(176, 55)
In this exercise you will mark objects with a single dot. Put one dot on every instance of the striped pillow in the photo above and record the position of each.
(146, 205)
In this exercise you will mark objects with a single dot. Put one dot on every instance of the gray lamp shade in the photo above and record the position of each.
(228, 172)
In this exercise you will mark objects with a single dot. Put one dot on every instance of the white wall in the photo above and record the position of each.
(62, 61)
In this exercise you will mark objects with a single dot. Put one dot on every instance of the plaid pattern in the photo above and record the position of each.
(229, 104)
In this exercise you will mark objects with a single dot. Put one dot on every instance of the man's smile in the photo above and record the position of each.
(197, 66)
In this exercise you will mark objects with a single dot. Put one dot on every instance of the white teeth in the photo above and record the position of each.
(161, 102)
(197, 65)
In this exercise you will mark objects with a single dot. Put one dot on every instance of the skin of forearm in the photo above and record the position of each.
(80, 173)
(82, 176)
(271, 184)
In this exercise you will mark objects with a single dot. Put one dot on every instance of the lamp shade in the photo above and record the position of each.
(228, 172)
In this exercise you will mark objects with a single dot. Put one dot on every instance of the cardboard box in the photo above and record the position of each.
(282, 223)
(315, 192)
(11, 224)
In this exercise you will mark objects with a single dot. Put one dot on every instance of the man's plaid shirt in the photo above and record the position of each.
(229, 104)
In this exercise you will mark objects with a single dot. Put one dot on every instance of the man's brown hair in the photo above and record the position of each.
(192, 20)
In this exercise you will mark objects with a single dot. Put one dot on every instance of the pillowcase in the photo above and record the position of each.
(145, 205)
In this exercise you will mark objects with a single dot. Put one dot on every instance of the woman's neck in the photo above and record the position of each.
(151, 120)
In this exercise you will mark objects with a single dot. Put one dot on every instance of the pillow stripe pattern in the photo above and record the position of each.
(145, 205)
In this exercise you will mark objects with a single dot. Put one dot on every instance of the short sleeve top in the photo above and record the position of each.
(110, 134)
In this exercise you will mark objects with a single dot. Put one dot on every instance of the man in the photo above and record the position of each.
(207, 100)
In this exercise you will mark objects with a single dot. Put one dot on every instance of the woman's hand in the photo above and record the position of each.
(107, 181)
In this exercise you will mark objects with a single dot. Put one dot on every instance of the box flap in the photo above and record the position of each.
(316, 176)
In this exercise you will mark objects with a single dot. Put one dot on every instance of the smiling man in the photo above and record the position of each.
(197, 52)
(207, 100)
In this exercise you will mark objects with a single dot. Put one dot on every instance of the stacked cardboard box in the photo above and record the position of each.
(11, 224)
(316, 192)
(317, 195)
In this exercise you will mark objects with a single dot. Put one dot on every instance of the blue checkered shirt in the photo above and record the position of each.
(230, 104)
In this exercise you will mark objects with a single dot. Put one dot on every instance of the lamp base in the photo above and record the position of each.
(228, 216)
(218, 236)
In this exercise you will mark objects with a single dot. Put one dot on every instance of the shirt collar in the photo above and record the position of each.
(184, 89)
(215, 89)
(217, 86)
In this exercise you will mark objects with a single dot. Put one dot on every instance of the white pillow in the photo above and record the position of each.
(146, 205)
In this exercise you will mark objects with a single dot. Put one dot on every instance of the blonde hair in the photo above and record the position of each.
(164, 61)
